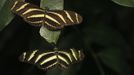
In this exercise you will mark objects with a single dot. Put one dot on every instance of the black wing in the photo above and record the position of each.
(52, 19)
(43, 59)
(57, 19)
(31, 13)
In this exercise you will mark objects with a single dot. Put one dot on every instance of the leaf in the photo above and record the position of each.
(104, 36)
(2, 2)
(6, 15)
(129, 3)
(53, 72)
(113, 58)
(51, 36)
(109, 39)
(52, 4)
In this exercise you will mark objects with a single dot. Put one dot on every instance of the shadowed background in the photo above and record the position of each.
(106, 36)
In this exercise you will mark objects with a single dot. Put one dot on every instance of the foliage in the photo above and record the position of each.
(6, 16)
(129, 3)
(99, 37)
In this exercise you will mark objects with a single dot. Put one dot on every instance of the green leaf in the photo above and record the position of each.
(51, 36)
(111, 40)
(104, 36)
(2, 2)
(129, 3)
(54, 72)
(113, 58)
(52, 4)
(6, 15)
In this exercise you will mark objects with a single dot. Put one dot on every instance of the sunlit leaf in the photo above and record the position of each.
(50, 36)
(129, 3)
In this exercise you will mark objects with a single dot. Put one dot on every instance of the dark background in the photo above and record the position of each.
(106, 25)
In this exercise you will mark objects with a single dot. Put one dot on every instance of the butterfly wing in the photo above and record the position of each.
(31, 13)
(29, 56)
(42, 59)
(50, 59)
(68, 57)
(52, 19)
(57, 19)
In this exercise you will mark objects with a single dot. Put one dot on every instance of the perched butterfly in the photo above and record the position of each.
(52, 19)
(52, 59)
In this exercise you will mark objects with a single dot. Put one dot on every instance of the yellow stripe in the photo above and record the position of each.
(22, 7)
(36, 15)
(77, 19)
(24, 56)
(51, 65)
(52, 19)
(48, 59)
(15, 3)
(67, 54)
(37, 22)
(63, 59)
(74, 54)
(80, 53)
(63, 66)
(41, 55)
(49, 24)
(32, 55)
(59, 15)
(30, 10)
(68, 16)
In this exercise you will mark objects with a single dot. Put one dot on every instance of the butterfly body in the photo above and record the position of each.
(52, 59)
(52, 19)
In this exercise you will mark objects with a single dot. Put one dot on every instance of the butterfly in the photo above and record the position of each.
(51, 19)
(50, 59)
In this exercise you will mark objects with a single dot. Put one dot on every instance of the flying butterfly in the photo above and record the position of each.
(49, 59)
(51, 19)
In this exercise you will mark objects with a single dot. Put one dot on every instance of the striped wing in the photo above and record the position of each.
(57, 19)
(72, 55)
(42, 59)
(32, 14)
(52, 19)
(51, 59)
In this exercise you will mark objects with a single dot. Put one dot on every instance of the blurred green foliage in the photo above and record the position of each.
(105, 36)
(129, 3)
(6, 15)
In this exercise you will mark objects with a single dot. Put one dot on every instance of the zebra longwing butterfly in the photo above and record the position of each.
(52, 19)
(49, 59)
